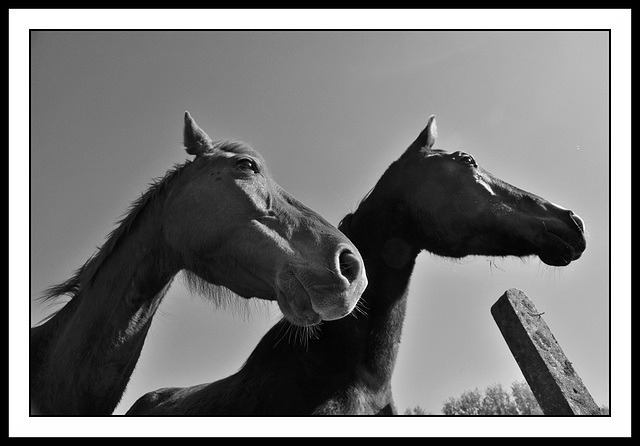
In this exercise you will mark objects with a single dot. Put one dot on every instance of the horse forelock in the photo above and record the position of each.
(84, 275)
(238, 147)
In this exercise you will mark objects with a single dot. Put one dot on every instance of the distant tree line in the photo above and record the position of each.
(495, 400)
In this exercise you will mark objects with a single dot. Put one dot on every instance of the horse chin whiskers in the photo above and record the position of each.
(361, 308)
(296, 335)
(492, 265)
(548, 272)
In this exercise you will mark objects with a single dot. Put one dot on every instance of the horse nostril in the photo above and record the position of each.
(350, 266)
(578, 221)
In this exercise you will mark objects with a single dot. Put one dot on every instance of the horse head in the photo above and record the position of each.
(457, 208)
(267, 244)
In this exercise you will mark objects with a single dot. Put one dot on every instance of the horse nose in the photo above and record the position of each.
(578, 221)
(349, 265)
(341, 290)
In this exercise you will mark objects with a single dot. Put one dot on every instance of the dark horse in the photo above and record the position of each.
(428, 199)
(223, 220)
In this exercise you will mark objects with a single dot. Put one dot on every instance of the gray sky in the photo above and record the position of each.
(329, 111)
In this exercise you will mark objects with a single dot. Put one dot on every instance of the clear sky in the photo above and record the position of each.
(329, 111)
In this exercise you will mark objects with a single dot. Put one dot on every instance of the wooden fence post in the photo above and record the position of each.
(555, 384)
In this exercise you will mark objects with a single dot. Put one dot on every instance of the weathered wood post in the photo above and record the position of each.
(555, 384)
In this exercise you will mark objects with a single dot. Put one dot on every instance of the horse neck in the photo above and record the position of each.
(380, 232)
(82, 358)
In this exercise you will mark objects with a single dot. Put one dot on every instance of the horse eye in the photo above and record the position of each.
(468, 159)
(246, 164)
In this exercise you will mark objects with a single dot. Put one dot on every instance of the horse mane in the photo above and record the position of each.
(86, 273)
(345, 223)
(363, 212)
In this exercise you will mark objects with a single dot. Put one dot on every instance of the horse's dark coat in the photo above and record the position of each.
(427, 200)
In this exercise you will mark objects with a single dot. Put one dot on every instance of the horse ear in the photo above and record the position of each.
(431, 131)
(427, 138)
(195, 139)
